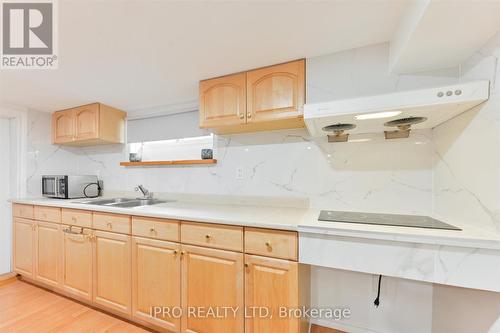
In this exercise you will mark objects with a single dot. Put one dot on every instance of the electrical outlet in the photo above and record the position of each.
(239, 173)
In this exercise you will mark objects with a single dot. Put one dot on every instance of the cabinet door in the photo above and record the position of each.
(212, 279)
(271, 283)
(87, 122)
(112, 271)
(77, 263)
(223, 101)
(24, 232)
(48, 253)
(156, 281)
(276, 92)
(63, 126)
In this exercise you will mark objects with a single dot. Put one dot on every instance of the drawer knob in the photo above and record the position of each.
(249, 115)
(268, 245)
(73, 219)
(242, 116)
(175, 252)
(208, 237)
(110, 226)
(152, 230)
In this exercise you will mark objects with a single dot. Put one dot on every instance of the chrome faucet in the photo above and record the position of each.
(145, 192)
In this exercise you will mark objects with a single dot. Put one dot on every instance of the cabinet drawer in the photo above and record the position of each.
(24, 211)
(216, 236)
(48, 214)
(271, 243)
(76, 217)
(112, 222)
(155, 228)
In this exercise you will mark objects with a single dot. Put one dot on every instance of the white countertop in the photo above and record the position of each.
(235, 214)
(304, 220)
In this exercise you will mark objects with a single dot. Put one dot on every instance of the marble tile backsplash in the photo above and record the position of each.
(452, 171)
(467, 151)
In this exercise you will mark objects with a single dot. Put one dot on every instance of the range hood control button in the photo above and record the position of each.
(440, 94)
(458, 92)
(449, 93)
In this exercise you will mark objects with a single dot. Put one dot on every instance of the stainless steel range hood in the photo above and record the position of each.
(394, 114)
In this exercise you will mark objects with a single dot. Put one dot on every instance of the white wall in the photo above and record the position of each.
(405, 306)
(460, 310)
(5, 193)
(285, 163)
(181, 125)
(43, 158)
(467, 152)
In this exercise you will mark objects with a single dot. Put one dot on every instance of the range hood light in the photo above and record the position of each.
(378, 115)
(360, 140)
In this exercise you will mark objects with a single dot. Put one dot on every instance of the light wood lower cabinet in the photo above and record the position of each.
(272, 284)
(77, 263)
(23, 245)
(48, 253)
(215, 284)
(156, 282)
(212, 279)
(112, 272)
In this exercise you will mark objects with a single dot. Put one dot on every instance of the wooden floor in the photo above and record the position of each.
(29, 309)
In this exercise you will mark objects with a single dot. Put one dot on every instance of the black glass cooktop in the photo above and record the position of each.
(414, 221)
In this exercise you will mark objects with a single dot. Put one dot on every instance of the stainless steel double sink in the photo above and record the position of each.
(124, 202)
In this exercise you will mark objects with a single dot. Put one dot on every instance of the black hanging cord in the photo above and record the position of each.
(377, 300)
(98, 190)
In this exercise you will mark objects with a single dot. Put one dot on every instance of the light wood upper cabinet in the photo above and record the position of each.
(77, 263)
(271, 283)
(88, 125)
(48, 253)
(112, 272)
(63, 126)
(276, 92)
(223, 101)
(24, 254)
(212, 278)
(262, 99)
(87, 122)
(156, 281)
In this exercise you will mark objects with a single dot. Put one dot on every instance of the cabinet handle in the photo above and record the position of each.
(175, 252)
(249, 115)
(247, 265)
(242, 116)
(183, 253)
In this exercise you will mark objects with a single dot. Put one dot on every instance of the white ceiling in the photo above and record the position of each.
(148, 55)
(456, 28)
